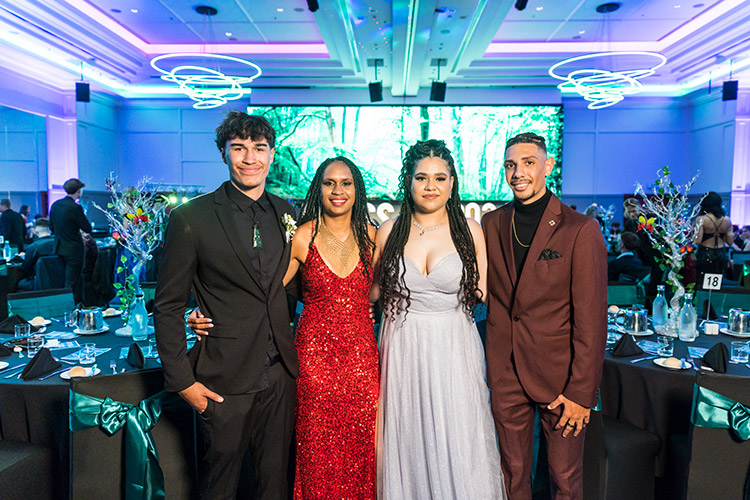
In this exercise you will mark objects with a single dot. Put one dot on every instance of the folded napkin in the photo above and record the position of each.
(717, 357)
(626, 346)
(135, 356)
(5, 351)
(708, 311)
(8, 324)
(40, 365)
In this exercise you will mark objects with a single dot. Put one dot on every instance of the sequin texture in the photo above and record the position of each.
(337, 387)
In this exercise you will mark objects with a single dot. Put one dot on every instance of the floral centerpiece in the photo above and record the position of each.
(137, 217)
(670, 229)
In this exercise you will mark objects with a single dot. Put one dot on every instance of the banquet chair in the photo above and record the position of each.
(619, 460)
(725, 299)
(713, 462)
(44, 303)
(98, 461)
(624, 294)
(49, 273)
(26, 471)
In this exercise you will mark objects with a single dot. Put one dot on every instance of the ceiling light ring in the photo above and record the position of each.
(207, 86)
(602, 87)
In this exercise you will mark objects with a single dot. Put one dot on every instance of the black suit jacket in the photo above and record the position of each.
(203, 251)
(40, 248)
(13, 228)
(66, 220)
(623, 265)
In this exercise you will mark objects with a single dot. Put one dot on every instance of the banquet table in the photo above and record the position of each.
(654, 398)
(36, 411)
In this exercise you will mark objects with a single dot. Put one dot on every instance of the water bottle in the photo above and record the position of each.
(688, 320)
(139, 319)
(660, 310)
(6, 251)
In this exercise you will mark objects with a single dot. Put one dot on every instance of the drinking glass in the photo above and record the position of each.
(152, 352)
(22, 330)
(71, 319)
(33, 344)
(86, 355)
(666, 346)
(740, 352)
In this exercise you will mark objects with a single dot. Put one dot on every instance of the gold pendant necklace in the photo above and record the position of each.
(515, 235)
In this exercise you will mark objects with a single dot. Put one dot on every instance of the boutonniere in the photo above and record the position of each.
(290, 225)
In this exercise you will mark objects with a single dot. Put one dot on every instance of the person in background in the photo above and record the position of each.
(627, 244)
(713, 236)
(631, 209)
(742, 240)
(12, 226)
(67, 221)
(28, 234)
(42, 247)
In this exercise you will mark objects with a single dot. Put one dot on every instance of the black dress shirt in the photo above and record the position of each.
(527, 219)
(258, 215)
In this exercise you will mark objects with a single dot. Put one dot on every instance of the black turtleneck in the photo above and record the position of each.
(527, 219)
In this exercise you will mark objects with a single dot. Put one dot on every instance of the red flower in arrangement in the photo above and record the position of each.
(686, 248)
(116, 235)
(648, 225)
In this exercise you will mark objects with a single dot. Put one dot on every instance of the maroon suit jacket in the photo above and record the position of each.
(553, 319)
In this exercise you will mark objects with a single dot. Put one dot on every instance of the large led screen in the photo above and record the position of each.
(376, 137)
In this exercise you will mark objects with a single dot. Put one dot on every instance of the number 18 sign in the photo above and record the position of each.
(712, 281)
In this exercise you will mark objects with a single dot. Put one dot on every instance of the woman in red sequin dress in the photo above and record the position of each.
(338, 383)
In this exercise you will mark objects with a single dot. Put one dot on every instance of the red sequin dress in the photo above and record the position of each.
(337, 387)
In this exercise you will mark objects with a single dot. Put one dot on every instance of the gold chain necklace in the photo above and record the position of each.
(342, 250)
(515, 235)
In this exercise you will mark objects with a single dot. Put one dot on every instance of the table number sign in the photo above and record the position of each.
(712, 281)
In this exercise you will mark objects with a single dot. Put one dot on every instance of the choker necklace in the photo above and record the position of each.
(515, 235)
(423, 230)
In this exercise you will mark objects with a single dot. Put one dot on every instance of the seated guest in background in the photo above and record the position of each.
(713, 237)
(42, 247)
(742, 240)
(631, 209)
(12, 226)
(627, 244)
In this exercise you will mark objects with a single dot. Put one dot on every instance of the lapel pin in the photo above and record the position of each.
(551, 223)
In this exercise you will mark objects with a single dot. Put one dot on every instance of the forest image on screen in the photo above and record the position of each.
(376, 138)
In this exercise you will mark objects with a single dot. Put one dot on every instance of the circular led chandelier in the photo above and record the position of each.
(604, 87)
(208, 87)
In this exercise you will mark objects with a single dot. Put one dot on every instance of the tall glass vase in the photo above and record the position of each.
(138, 317)
(673, 325)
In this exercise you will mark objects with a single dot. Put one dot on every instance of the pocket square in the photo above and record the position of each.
(549, 254)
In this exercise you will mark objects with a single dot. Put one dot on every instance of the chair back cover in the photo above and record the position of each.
(96, 459)
(624, 294)
(719, 462)
(46, 303)
(725, 299)
(50, 273)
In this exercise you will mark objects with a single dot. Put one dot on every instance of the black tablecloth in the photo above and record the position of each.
(655, 398)
(36, 411)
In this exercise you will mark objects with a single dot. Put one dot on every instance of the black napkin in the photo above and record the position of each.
(5, 351)
(8, 324)
(626, 346)
(40, 365)
(717, 357)
(708, 311)
(135, 356)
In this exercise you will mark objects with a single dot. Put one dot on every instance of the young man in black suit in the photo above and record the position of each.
(627, 244)
(232, 249)
(67, 220)
(12, 226)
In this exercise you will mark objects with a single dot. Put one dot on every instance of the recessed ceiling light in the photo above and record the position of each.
(581, 32)
(698, 5)
(299, 9)
(540, 8)
(228, 33)
(116, 11)
(280, 9)
(677, 6)
(134, 11)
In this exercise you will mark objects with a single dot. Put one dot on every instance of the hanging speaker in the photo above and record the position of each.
(729, 90)
(376, 91)
(83, 93)
(437, 92)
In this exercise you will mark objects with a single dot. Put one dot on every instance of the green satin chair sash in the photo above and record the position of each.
(143, 476)
(711, 409)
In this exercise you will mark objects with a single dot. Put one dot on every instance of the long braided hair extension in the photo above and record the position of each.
(312, 209)
(392, 265)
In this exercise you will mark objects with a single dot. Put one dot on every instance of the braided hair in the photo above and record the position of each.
(312, 209)
(392, 264)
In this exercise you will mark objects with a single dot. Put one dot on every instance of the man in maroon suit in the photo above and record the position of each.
(546, 322)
